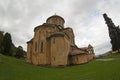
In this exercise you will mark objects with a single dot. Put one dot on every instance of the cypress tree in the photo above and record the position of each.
(1, 41)
(7, 44)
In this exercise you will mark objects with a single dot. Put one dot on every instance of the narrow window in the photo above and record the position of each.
(41, 47)
(30, 50)
(54, 58)
(35, 46)
(77, 58)
(54, 40)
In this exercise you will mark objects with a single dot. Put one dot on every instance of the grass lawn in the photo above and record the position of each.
(15, 69)
(112, 56)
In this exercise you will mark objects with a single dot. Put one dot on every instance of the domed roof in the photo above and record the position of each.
(55, 16)
(55, 19)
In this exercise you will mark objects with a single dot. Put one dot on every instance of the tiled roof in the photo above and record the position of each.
(30, 41)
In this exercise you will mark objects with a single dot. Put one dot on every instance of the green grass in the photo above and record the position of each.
(15, 69)
(112, 56)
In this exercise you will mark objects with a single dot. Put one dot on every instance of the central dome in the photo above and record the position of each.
(55, 19)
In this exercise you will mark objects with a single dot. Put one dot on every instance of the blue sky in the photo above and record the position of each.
(20, 17)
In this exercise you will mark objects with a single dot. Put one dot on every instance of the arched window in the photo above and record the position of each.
(41, 47)
(54, 40)
(35, 46)
(30, 50)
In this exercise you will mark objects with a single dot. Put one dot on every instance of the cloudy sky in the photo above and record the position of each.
(19, 17)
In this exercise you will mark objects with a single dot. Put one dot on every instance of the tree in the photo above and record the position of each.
(1, 41)
(19, 52)
(7, 44)
(114, 33)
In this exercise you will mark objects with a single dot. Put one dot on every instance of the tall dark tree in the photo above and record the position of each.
(1, 41)
(19, 52)
(114, 33)
(7, 44)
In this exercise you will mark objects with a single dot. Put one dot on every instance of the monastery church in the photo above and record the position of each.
(54, 45)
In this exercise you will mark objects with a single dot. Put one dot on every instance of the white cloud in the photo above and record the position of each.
(84, 16)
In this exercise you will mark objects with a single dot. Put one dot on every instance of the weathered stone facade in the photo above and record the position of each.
(54, 45)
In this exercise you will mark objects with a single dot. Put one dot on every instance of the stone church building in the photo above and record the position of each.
(54, 45)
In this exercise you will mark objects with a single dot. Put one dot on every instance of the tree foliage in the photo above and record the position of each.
(114, 33)
(8, 48)
(7, 44)
(19, 52)
(1, 41)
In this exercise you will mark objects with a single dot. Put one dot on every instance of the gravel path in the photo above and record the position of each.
(108, 59)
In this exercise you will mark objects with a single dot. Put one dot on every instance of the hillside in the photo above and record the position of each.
(16, 69)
